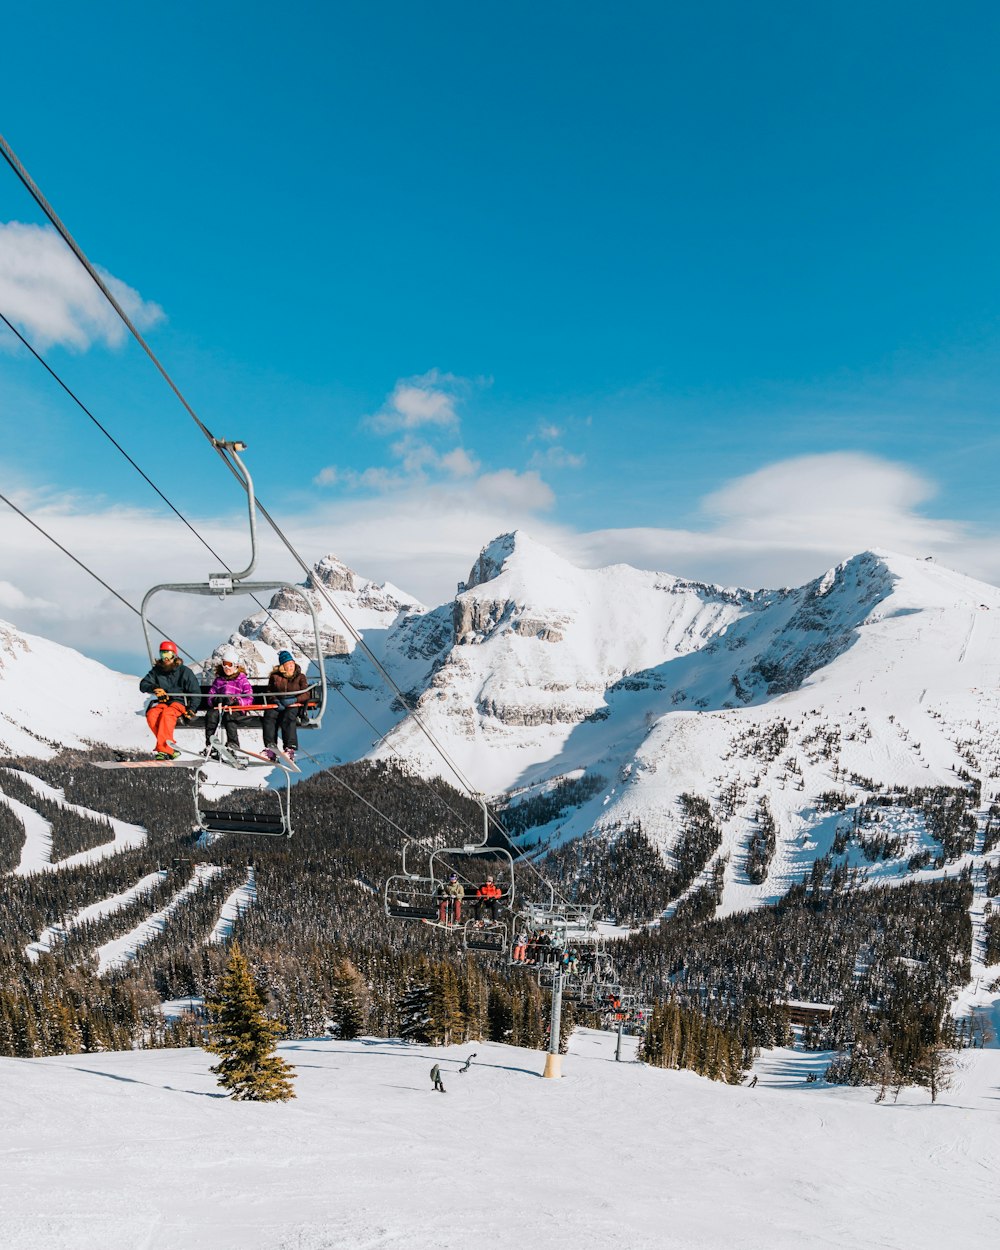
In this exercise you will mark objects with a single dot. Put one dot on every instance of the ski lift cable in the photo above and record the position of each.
(142, 473)
(361, 798)
(28, 182)
(8, 153)
(86, 568)
(36, 194)
(380, 739)
(107, 433)
(193, 529)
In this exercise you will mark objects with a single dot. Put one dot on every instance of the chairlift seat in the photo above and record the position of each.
(485, 936)
(268, 825)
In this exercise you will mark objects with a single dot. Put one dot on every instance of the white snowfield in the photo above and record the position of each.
(139, 1150)
(52, 696)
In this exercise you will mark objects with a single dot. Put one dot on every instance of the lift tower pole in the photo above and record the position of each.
(553, 1060)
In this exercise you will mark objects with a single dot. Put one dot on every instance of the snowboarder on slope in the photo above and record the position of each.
(436, 1078)
(468, 1063)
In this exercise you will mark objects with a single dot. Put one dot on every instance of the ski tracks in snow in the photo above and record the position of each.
(36, 854)
(49, 936)
(241, 899)
(120, 950)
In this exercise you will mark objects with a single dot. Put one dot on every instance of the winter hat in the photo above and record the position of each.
(167, 645)
(286, 657)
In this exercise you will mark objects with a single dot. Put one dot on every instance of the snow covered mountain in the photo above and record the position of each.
(637, 687)
(625, 689)
(52, 696)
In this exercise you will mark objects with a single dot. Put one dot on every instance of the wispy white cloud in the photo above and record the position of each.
(791, 520)
(459, 463)
(46, 292)
(779, 525)
(426, 400)
(13, 598)
(557, 457)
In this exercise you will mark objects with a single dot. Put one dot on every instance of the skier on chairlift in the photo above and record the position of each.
(487, 896)
(177, 694)
(230, 691)
(287, 686)
(450, 894)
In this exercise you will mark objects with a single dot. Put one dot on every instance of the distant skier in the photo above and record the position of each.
(468, 1063)
(436, 1078)
(754, 1081)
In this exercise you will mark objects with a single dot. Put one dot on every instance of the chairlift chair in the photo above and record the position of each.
(417, 896)
(227, 583)
(274, 823)
(485, 935)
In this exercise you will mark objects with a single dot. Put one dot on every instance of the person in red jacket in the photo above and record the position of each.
(487, 896)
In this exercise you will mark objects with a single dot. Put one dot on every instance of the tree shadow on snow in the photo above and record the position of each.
(131, 1080)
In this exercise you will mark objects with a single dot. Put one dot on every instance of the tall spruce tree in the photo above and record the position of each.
(242, 1034)
(349, 1002)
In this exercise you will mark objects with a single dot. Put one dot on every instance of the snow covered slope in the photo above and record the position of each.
(120, 1151)
(52, 696)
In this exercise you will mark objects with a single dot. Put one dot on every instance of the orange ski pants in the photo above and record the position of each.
(162, 719)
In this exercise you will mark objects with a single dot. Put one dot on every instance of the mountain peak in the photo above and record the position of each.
(332, 573)
(516, 550)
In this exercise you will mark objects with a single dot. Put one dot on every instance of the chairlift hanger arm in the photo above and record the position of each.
(226, 449)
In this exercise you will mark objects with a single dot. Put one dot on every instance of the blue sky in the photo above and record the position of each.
(705, 288)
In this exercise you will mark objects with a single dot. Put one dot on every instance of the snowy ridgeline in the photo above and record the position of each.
(637, 687)
(119, 1151)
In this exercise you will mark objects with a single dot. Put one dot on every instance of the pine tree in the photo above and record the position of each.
(243, 1035)
(499, 1014)
(935, 1068)
(349, 1005)
(414, 1008)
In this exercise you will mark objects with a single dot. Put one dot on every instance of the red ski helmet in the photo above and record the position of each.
(167, 645)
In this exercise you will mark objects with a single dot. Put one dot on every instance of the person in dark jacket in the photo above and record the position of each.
(175, 692)
(287, 686)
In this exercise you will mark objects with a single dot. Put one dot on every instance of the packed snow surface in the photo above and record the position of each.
(139, 1150)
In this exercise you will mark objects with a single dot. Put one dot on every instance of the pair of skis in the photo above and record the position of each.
(196, 759)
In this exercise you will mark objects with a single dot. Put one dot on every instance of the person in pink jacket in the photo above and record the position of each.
(229, 691)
